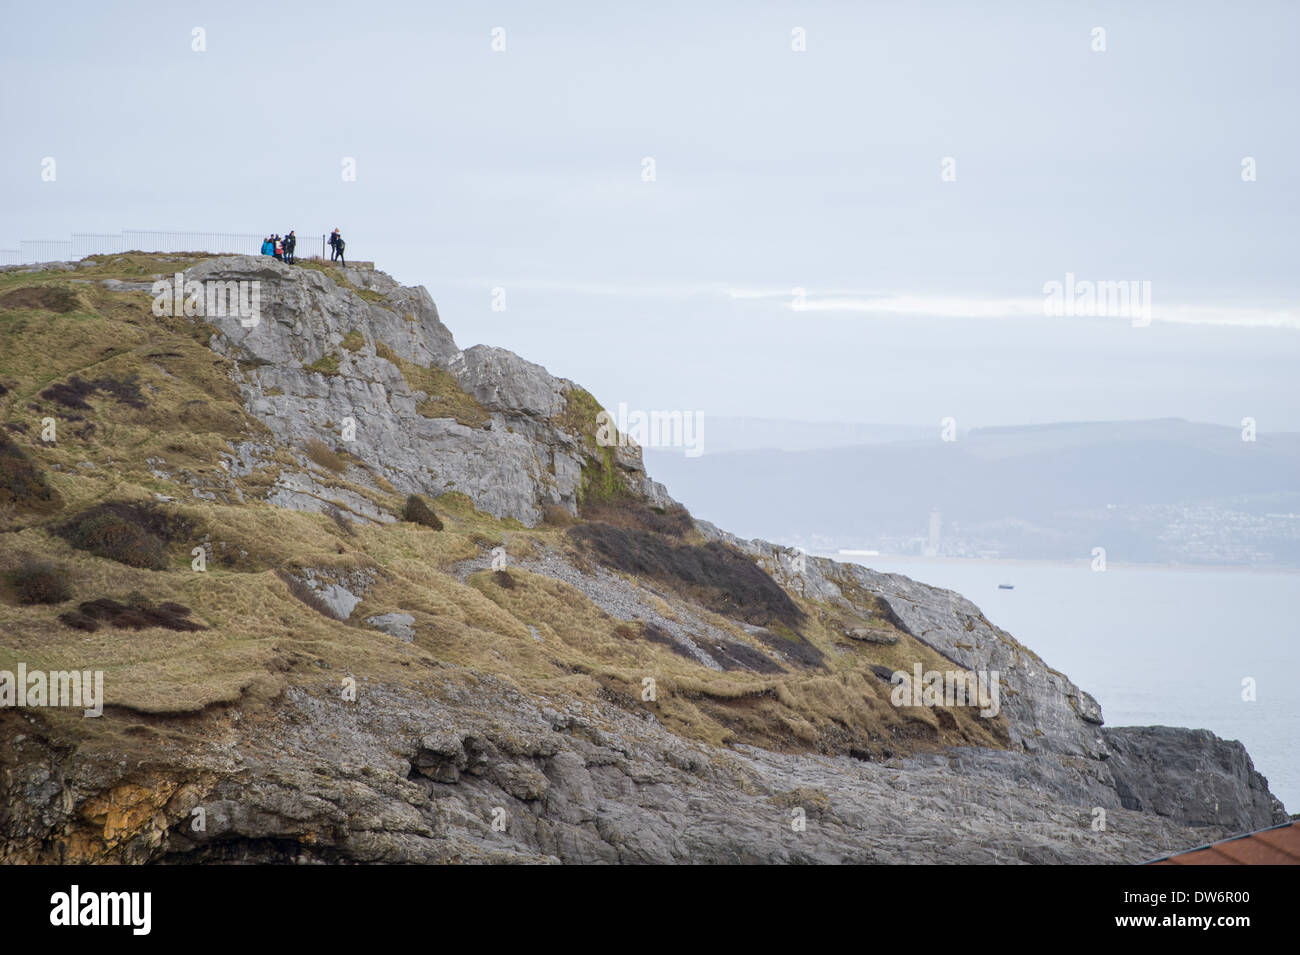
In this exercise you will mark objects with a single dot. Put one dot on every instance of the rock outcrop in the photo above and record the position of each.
(365, 353)
(489, 776)
(1047, 713)
(1191, 776)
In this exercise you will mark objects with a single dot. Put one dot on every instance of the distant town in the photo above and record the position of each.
(1179, 533)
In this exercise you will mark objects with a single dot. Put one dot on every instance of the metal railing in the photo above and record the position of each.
(96, 243)
(83, 244)
(236, 243)
(43, 250)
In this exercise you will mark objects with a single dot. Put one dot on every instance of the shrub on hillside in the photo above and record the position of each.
(417, 511)
(74, 392)
(553, 515)
(79, 621)
(628, 514)
(714, 574)
(126, 390)
(39, 583)
(21, 483)
(132, 534)
(137, 613)
(48, 298)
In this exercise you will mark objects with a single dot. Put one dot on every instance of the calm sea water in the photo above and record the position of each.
(1155, 645)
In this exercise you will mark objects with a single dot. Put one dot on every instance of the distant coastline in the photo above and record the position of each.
(1111, 565)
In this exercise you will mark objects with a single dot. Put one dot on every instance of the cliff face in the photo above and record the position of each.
(569, 668)
(428, 417)
(1190, 775)
(409, 777)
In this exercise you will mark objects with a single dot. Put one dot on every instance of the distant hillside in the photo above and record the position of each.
(1167, 490)
(723, 434)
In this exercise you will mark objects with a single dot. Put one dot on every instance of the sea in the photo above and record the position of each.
(1156, 645)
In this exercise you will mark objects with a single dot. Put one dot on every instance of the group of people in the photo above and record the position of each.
(281, 248)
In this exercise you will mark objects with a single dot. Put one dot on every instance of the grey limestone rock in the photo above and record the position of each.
(321, 354)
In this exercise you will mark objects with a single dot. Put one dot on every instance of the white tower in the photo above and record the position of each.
(932, 545)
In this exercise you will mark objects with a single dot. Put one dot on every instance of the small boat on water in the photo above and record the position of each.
(1006, 586)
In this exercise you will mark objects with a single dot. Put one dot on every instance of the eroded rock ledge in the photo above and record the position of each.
(401, 777)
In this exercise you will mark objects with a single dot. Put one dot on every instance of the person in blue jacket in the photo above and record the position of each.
(268, 247)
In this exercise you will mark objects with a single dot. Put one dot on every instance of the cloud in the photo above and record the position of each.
(973, 307)
(900, 304)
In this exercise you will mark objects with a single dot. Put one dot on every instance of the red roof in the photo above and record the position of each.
(1278, 845)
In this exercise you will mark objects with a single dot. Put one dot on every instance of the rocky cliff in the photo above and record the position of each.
(359, 595)
(429, 417)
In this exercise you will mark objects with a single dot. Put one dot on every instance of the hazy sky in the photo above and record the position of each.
(774, 169)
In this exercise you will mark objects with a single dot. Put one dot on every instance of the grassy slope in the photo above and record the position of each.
(261, 638)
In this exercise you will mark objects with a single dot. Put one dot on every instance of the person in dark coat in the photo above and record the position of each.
(290, 243)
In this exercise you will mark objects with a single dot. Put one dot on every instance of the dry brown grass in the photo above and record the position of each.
(553, 515)
(445, 398)
(325, 456)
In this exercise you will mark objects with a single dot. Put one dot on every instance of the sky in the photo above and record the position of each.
(921, 171)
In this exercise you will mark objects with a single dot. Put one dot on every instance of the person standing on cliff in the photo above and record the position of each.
(334, 244)
(290, 243)
(338, 247)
